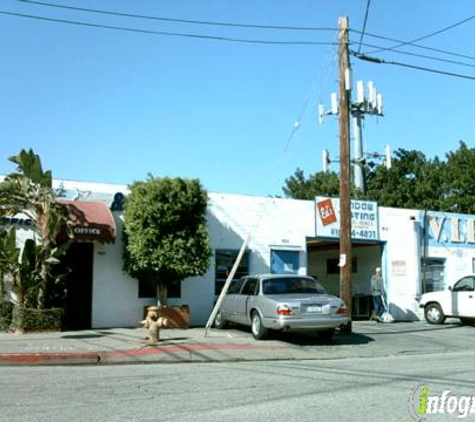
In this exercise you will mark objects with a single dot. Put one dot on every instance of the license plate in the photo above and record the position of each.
(314, 309)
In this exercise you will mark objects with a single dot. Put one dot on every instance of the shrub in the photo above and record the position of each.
(28, 320)
(6, 309)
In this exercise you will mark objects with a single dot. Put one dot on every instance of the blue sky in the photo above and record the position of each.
(101, 105)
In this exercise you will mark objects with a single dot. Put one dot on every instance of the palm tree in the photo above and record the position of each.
(29, 192)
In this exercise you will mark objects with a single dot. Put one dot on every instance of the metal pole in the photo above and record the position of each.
(358, 165)
(228, 282)
(345, 204)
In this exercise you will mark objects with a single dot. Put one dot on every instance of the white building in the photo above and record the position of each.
(417, 250)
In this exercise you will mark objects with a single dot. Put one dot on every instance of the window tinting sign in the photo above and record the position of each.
(364, 219)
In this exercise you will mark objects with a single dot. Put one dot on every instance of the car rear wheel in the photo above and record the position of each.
(219, 321)
(434, 314)
(326, 335)
(258, 330)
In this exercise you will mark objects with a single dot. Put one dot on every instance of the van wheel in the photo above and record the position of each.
(434, 314)
(258, 330)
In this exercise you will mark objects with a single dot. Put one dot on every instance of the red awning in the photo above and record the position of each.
(92, 221)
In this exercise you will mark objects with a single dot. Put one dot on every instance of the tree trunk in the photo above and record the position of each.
(2, 287)
(20, 293)
(42, 286)
(162, 293)
(44, 266)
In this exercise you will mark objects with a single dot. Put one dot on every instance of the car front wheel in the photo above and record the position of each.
(434, 314)
(258, 330)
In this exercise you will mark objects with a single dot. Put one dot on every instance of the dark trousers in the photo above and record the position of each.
(378, 305)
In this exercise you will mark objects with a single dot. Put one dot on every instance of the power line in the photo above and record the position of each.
(160, 18)
(423, 56)
(426, 69)
(381, 37)
(424, 37)
(364, 24)
(173, 34)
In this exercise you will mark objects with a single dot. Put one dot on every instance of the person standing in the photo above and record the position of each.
(377, 291)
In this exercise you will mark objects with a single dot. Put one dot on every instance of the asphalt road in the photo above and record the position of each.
(351, 389)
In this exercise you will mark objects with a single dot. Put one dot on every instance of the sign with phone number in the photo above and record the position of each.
(364, 219)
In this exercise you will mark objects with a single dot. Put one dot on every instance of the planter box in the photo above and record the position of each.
(178, 316)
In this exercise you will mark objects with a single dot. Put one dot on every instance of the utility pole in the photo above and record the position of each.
(345, 200)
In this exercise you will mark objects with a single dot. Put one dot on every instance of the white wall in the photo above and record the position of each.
(115, 294)
(400, 229)
(275, 223)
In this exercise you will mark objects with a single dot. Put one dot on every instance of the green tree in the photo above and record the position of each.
(165, 233)
(298, 186)
(9, 261)
(29, 191)
(413, 181)
(459, 180)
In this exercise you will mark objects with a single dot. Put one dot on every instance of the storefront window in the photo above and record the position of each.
(224, 260)
(148, 289)
(433, 279)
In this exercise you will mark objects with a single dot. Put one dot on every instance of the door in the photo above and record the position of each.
(249, 290)
(463, 297)
(78, 306)
(284, 262)
(228, 306)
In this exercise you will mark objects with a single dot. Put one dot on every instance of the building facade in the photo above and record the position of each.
(419, 251)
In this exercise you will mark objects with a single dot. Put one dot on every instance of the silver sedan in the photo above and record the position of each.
(281, 302)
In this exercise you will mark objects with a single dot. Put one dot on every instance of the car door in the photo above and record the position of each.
(463, 297)
(228, 307)
(248, 292)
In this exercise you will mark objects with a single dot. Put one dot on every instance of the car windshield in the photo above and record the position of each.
(289, 285)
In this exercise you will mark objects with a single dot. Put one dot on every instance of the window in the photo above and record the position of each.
(333, 267)
(235, 286)
(251, 287)
(148, 288)
(464, 285)
(433, 275)
(276, 286)
(174, 290)
(224, 261)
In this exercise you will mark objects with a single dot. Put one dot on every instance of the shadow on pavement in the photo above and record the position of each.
(82, 336)
(302, 339)
(397, 328)
(312, 339)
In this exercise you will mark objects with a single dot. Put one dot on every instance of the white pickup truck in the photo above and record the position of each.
(458, 301)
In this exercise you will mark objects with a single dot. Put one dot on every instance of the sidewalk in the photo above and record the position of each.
(128, 345)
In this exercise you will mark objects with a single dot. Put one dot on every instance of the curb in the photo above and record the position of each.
(147, 354)
(30, 359)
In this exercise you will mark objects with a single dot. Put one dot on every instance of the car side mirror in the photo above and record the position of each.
(450, 288)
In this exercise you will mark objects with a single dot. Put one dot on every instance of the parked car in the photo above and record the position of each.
(458, 301)
(281, 302)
